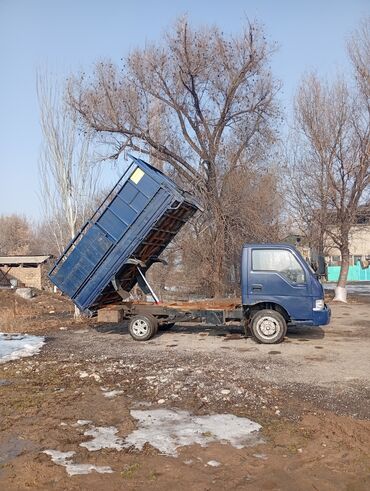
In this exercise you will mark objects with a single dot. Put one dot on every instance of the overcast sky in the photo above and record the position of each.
(70, 35)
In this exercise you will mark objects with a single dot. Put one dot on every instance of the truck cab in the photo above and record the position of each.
(279, 288)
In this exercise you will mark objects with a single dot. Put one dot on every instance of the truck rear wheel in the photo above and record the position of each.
(268, 327)
(143, 327)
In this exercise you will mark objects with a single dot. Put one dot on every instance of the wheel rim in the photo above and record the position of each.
(267, 327)
(140, 327)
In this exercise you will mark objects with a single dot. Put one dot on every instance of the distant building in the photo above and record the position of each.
(24, 270)
(359, 246)
(359, 249)
(359, 240)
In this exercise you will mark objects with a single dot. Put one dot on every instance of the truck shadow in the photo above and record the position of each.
(305, 333)
(201, 329)
(227, 332)
(114, 328)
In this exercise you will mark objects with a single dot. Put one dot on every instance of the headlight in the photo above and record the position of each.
(319, 305)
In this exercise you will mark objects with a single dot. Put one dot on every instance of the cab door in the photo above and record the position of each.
(277, 275)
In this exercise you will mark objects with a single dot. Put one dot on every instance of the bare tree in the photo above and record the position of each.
(68, 177)
(331, 173)
(201, 101)
(15, 236)
(251, 205)
(359, 53)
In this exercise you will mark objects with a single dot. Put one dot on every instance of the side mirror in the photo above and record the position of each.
(321, 266)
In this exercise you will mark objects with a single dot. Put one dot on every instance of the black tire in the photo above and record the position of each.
(154, 320)
(268, 327)
(143, 327)
(247, 328)
(167, 326)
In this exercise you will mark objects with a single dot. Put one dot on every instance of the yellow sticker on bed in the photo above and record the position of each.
(137, 175)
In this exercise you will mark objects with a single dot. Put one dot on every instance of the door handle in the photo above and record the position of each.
(256, 287)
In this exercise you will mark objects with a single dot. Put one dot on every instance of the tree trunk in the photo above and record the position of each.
(77, 314)
(219, 246)
(340, 291)
(218, 275)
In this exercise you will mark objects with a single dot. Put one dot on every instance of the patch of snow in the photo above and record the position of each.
(104, 437)
(15, 346)
(213, 463)
(64, 459)
(261, 456)
(83, 422)
(112, 393)
(167, 430)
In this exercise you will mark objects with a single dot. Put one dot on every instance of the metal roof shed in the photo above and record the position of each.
(27, 270)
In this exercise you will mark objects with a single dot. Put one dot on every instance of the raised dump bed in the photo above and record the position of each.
(135, 223)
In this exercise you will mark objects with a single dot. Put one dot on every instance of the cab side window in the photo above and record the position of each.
(279, 260)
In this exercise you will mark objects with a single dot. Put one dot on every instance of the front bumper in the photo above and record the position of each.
(321, 317)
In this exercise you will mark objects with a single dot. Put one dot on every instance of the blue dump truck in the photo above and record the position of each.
(126, 235)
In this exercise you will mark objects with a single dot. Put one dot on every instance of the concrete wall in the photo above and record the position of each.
(29, 276)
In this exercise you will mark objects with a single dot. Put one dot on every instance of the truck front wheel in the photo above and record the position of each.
(268, 327)
(143, 327)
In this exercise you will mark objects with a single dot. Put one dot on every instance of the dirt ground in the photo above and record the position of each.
(310, 394)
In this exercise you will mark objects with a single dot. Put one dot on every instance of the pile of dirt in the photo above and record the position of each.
(45, 311)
